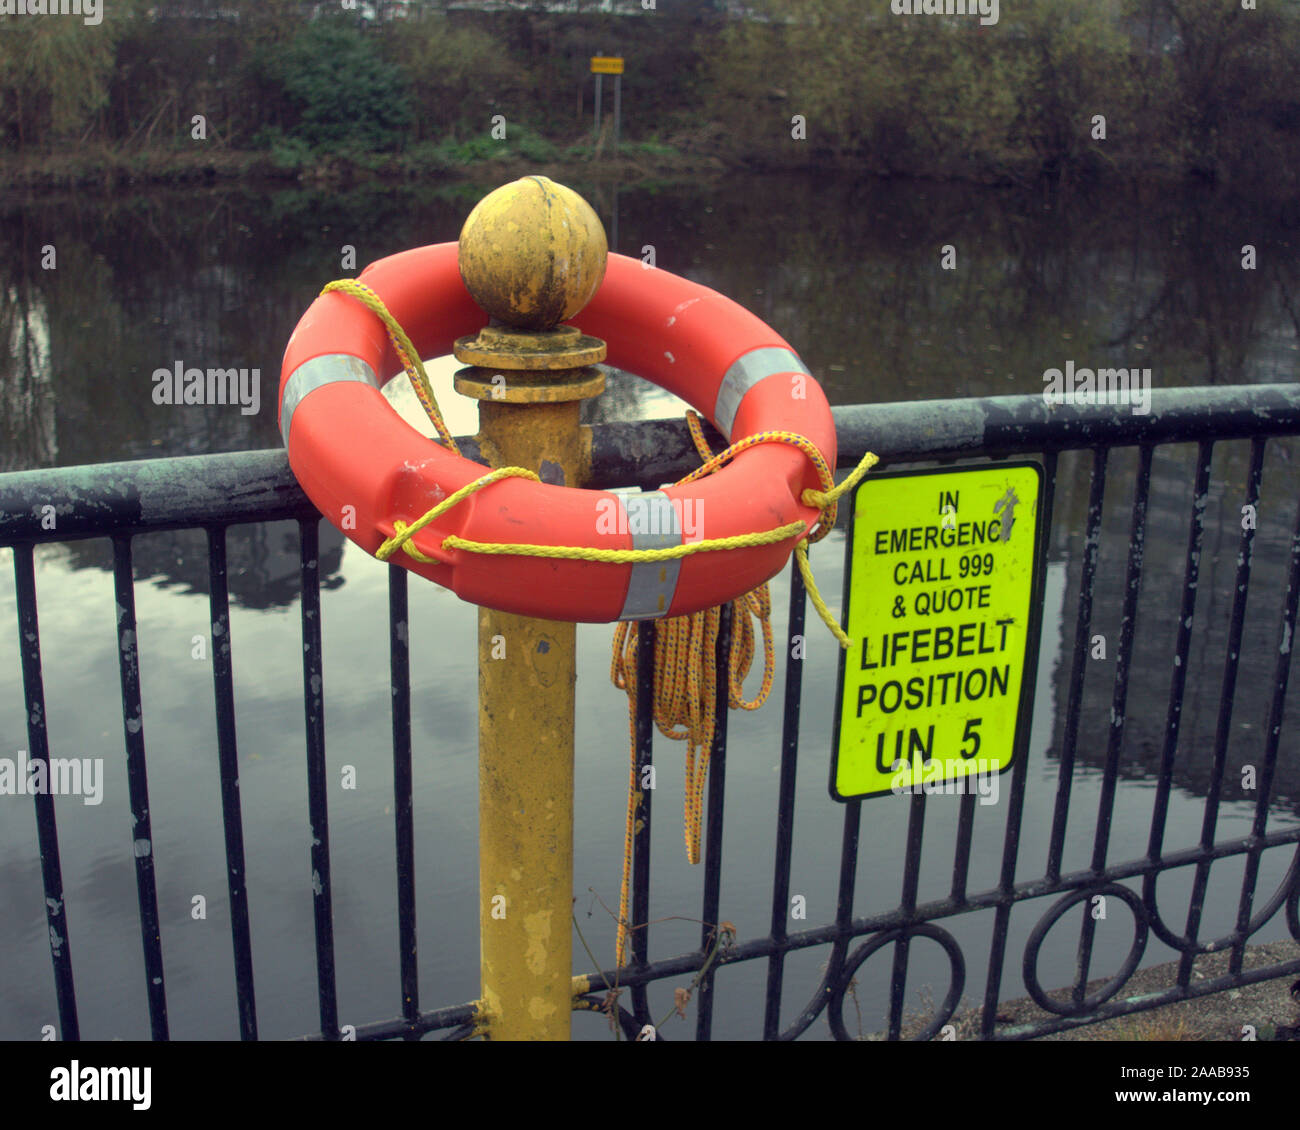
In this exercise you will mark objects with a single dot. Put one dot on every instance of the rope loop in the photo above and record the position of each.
(402, 538)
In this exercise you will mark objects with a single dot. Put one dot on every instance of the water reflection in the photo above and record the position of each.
(1168, 517)
(262, 561)
(849, 271)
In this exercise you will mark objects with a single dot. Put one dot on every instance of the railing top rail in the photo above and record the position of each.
(917, 430)
(184, 491)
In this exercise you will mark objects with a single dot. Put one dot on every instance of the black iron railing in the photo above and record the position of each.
(124, 500)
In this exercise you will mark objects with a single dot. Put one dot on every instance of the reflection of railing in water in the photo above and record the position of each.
(213, 493)
(262, 557)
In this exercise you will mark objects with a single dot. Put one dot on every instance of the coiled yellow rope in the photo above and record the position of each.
(685, 678)
(685, 694)
(685, 684)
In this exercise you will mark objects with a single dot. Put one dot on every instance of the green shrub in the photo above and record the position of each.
(520, 141)
(339, 89)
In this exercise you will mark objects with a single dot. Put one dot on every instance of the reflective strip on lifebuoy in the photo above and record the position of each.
(365, 468)
(745, 372)
(651, 587)
(314, 374)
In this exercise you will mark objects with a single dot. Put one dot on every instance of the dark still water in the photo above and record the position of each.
(95, 295)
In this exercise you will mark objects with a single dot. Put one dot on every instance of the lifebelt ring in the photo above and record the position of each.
(365, 468)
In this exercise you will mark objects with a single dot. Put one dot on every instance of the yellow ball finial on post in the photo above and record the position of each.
(532, 253)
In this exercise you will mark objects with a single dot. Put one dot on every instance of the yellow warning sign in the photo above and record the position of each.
(941, 595)
(606, 64)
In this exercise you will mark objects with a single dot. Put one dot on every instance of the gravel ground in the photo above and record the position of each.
(1266, 1006)
(1222, 1016)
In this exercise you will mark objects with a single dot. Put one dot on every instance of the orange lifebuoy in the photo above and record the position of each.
(366, 469)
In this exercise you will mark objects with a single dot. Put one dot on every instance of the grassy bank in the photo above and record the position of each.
(110, 168)
(1067, 89)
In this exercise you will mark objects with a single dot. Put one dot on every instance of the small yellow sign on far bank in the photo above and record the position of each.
(941, 590)
(607, 64)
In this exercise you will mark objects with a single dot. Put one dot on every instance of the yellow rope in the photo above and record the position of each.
(685, 691)
(826, 500)
(685, 683)
(401, 539)
(623, 556)
(406, 352)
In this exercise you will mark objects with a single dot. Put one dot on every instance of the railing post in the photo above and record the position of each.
(532, 254)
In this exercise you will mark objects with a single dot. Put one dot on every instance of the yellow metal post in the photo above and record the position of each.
(532, 253)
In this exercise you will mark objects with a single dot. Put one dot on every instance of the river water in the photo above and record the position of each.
(97, 294)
